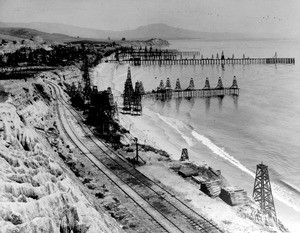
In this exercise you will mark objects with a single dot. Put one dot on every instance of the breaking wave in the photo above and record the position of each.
(179, 126)
(279, 193)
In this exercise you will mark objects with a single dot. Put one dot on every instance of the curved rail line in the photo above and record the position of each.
(173, 209)
(157, 224)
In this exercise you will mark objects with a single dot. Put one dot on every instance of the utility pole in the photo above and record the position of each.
(262, 191)
(137, 150)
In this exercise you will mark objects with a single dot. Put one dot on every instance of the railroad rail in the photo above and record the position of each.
(21, 72)
(170, 213)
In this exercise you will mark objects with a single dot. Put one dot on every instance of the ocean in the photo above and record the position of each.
(234, 134)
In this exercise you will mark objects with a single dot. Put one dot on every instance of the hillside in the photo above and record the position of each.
(11, 33)
(162, 31)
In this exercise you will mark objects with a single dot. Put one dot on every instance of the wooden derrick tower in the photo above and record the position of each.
(102, 110)
(161, 85)
(142, 90)
(168, 84)
(262, 192)
(222, 56)
(191, 85)
(177, 86)
(136, 100)
(207, 85)
(139, 88)
(234, 83)
(220, 84)
(128, 92)
(132, 99)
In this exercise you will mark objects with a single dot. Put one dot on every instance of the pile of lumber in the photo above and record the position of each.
(233, 195)
(211, 187)
(198, 179)
(187, 172)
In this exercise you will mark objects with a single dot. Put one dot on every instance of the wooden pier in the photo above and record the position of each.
(175, 57)
(207, 61)
(201, 93)
(166, 92)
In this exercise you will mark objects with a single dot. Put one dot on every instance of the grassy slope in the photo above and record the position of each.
(26, 33)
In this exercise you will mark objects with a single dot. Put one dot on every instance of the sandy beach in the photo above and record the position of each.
(156, 131)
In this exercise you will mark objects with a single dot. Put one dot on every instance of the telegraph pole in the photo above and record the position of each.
(137, 150)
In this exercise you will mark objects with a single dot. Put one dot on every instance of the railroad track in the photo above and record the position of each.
(176, 215)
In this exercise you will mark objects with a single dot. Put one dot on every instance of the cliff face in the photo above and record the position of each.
(36, 192)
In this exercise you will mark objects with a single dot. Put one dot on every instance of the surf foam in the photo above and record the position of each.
(179, 126)
(279, 193)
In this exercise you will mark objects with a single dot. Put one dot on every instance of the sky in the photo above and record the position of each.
(239, 16)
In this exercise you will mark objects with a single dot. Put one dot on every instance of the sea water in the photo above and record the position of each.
(236, 134)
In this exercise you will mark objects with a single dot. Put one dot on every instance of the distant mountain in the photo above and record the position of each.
(16, 33)
(162, 31)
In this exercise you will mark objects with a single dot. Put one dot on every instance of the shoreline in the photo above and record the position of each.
(159, 167)
(152, 130)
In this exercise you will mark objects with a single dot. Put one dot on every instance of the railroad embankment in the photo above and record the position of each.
(38, 192)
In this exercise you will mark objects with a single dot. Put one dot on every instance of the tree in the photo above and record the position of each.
(123, 39)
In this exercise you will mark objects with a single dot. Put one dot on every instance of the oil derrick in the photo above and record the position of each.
(220, 84)
(102, 109)
(207, 85)
(222, 56)
(192, 85)
(137, 87)
(234, 83)
(201, 56)
(161, 85)
(141, 88)
(177, 86)
(128, 92)
(184, 155)
(262, 191)
(86, 79)
(136, 100)
(217, 57)
(212, 56)
(232, 56)
(168, 84)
